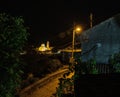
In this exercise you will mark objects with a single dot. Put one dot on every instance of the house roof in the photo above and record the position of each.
(105, 35)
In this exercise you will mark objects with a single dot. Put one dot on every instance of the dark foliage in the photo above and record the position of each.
(13, 36)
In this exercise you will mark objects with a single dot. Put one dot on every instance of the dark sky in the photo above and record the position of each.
(47, 18)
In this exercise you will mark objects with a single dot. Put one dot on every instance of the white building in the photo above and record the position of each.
(44, 48)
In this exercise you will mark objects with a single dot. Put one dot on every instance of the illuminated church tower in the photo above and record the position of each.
(47, 45)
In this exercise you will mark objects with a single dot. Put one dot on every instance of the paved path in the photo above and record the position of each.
(45, 90)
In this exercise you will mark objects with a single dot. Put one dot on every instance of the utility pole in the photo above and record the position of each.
(91, 20)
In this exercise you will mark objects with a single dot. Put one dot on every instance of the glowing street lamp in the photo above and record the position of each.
(76, 30)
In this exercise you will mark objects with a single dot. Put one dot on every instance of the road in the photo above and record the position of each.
(45, 90)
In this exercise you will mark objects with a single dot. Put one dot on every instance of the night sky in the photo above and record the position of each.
(46, 19)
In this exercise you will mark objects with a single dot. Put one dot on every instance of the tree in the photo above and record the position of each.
(114, 62)
(13, 36)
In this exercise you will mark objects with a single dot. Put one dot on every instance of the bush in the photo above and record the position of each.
(13, 36)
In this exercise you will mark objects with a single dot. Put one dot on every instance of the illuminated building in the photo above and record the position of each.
(45, 49)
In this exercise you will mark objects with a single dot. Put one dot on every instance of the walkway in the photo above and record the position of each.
(44, 87)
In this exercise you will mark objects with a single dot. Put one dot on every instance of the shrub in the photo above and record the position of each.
(13, 36)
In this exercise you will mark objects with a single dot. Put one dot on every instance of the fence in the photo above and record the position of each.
(103, 68)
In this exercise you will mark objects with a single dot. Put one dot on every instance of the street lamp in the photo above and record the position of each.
(75, 30)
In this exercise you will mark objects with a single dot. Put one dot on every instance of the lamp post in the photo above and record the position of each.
(75, 30)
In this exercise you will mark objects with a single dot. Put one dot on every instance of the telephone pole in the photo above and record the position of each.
(91, 20)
